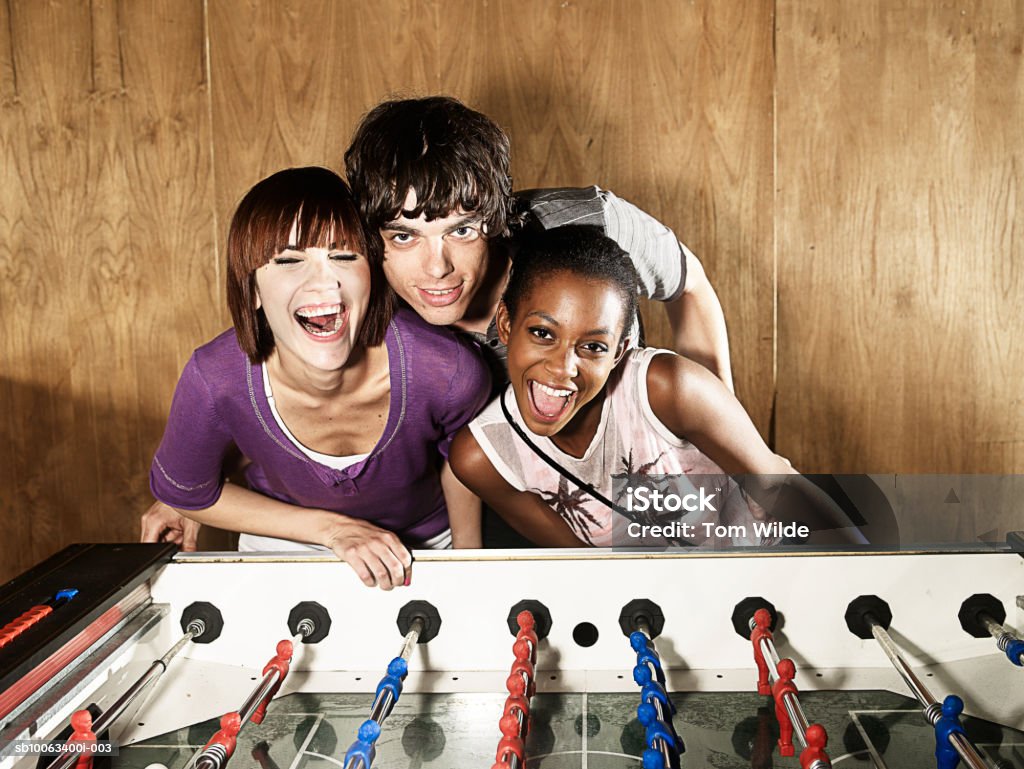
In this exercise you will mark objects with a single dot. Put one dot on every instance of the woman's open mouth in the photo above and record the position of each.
(549, 404)
(322, 322)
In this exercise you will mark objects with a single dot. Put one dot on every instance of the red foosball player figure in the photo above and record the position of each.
(510, 743)
(227, 735)
(762, 630)
(817, 738)
(783, 686)
(525, 669)
(81, 725)
(516, 701)
(279, 663)
(527, 625)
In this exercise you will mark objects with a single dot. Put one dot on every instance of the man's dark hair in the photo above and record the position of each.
(582, 251)
(453, 157)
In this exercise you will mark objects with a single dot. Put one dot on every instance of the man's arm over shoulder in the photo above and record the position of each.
(671, 273)
(698, 323)
(668, 271)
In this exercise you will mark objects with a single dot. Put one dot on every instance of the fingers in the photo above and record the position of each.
(378, 557)
(161, 523)
(152, 523)
(190, 535)
(380, 566)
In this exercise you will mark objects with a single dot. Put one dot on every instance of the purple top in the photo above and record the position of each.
(438, 384)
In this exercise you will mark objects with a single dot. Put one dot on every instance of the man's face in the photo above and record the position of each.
(437, 267)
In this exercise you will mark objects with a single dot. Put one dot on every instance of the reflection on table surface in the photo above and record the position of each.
(599, 731)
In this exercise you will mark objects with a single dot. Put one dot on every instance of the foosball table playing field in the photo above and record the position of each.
(534, 658)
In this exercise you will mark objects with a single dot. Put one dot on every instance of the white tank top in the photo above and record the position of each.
(630, 449)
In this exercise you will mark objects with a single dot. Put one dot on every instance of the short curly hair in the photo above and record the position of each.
(579, 250)
(452, 156)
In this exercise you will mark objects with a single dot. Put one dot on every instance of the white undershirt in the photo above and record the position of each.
(337, 463)
(251, 543)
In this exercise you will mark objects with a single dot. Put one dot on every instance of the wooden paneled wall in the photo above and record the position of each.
(847, 171)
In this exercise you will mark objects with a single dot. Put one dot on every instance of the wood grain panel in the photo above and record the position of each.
(899, 277)
(8, 72)
(533, 86)
(282, 97)
(162, 288)
(892, 207)
(667, 104)
(45, 148)
(106, 198)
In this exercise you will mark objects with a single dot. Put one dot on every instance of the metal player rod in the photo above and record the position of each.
(383, 702)
(932, 709)
(513, 761)
(256, 697)
(791, 702)
(1002, 635)
(215, 757)
(106, 719)
(666, 751)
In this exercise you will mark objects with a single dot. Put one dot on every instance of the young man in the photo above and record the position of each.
(432, 176)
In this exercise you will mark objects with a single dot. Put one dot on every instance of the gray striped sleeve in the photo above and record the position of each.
(659, 257)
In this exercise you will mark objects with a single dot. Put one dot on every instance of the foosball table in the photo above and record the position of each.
(515, 658)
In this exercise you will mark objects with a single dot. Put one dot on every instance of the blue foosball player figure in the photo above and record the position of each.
(363, 749)
(948, 724)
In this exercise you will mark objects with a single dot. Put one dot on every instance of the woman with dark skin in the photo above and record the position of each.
(594, 407)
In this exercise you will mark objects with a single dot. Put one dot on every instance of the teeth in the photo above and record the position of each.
(552, 391)
(316, 312)
(439, 291)
(321, 321)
